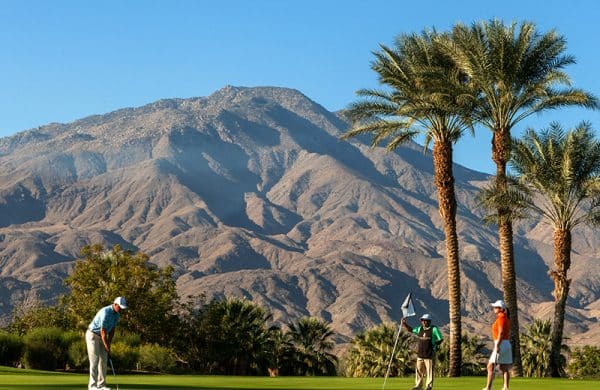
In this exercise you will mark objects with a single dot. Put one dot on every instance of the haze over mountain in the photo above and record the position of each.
(250, 192)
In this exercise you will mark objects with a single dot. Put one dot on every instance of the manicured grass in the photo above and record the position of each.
(13, 379)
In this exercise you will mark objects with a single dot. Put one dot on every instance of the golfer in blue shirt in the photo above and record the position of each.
(98, 338)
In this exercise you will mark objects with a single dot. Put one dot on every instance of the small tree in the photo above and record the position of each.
(101, 275)
(31, 313)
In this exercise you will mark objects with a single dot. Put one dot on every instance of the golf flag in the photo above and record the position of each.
(408, 310)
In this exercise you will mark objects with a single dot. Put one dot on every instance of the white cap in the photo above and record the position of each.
(499, 303)
(121, 302)
(426, 317)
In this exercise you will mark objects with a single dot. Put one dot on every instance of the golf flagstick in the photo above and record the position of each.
(408, 310)
(387, 373)
(113, 370)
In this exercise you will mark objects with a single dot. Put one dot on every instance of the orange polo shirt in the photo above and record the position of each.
(501, 322)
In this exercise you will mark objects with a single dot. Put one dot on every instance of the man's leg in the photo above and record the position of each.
(102, 367)
(93, 346)
(419, 373)
(429, 370)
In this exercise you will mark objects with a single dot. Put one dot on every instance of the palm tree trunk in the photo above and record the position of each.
(444, 181)
(500, 154)
(562, 261)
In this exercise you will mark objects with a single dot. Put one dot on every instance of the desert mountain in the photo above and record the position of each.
(250, 192)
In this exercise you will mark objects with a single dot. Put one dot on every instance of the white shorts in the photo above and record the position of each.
(503, 355)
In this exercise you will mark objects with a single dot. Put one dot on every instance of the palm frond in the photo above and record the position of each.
(562, 168)
(515, 201)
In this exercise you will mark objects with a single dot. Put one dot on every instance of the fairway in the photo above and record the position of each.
(14, 379)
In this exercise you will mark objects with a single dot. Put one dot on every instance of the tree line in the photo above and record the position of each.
(230, 336)
(492, 75)
(162, 331)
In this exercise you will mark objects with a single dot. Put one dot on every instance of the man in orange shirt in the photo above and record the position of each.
(502, 351)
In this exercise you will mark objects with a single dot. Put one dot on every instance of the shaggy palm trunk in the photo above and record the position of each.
(562, 261)
(444, 181)
(500, 154)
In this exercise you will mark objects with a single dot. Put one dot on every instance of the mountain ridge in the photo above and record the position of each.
(250, 192)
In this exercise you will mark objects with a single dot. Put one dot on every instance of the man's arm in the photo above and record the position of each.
(106, 338)
(405, 325)
(437, 336)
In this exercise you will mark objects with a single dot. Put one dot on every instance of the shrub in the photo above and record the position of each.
(77, 356)
(473, 359)
(124, 356)
(11, 349)
(536, 344)
(131, 339)
(371, 351)
(45, 349)
(153, 357)
(75, 349)
(585, 362)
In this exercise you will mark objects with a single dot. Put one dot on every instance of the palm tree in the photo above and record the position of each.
(428, 96)
(518, 72)
(312, 346)
(279, 351)
(370, 353)
(536, 344)
(562, 171)
(237, 336)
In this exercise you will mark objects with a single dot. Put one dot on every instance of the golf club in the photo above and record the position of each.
(113, 370)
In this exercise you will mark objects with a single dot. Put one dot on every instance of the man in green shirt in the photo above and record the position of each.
(430, 338)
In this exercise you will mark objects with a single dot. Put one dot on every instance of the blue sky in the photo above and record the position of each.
(63, 60)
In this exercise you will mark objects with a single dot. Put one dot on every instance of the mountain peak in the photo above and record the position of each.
(250, 192)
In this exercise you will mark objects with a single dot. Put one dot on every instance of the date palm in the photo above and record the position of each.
(518, 72)
(425, 95)
(562, 172)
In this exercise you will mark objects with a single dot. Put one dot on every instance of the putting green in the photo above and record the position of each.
(14, 379)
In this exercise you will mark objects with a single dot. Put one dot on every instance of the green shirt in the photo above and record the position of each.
(429, 338)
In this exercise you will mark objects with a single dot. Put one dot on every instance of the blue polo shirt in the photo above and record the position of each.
(106, 318)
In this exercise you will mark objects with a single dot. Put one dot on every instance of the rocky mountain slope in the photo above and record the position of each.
(250, 192)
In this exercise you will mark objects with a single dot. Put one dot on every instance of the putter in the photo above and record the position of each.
(113, 370)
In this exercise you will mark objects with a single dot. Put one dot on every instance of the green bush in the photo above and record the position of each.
(585, 362)
(473, 358)
(124, 356)
(11, 349)
(131, 339)
(153, 357)
(75, 349)
(77, 356)
(45, 349)
(372, 349)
